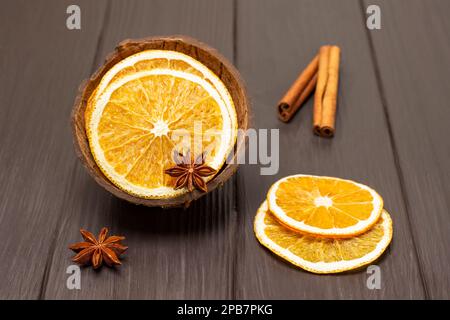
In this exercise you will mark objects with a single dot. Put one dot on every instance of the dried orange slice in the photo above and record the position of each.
(318, 254)
(155, 59)
(324, 206)
(138, 119)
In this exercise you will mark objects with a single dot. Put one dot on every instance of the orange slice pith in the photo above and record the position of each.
(324, 206)
(322, 255)
(135, 121)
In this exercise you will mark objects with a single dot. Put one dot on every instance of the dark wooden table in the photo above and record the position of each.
(393, 125)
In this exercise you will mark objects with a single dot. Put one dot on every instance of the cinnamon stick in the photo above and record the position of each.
(330, 98)
(322, 77)
(298, 92)
(326, 91)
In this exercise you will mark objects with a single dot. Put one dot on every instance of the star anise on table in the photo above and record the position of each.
(95, 251)
(189, 171)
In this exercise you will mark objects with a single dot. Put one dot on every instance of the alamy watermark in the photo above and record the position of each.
(73, 281)
(73, 21)
(374, 280)
(262, 144)
(373, 21)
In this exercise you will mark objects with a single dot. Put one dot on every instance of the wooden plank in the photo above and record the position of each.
(41, 64)
(411, 51)
(172, 253)
(275, 40)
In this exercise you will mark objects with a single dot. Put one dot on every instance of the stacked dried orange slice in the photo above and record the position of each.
(151, 105)
(323, 224)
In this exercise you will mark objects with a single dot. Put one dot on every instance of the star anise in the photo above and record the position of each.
(190, 172)
(93, 251)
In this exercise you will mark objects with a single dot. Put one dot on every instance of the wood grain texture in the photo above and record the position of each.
(41, 61)
(274, 41)
(412, 52)
(172, 253)
(391, 133)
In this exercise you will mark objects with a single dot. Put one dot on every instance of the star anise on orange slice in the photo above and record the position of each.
(96, 251)
(190, 171)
